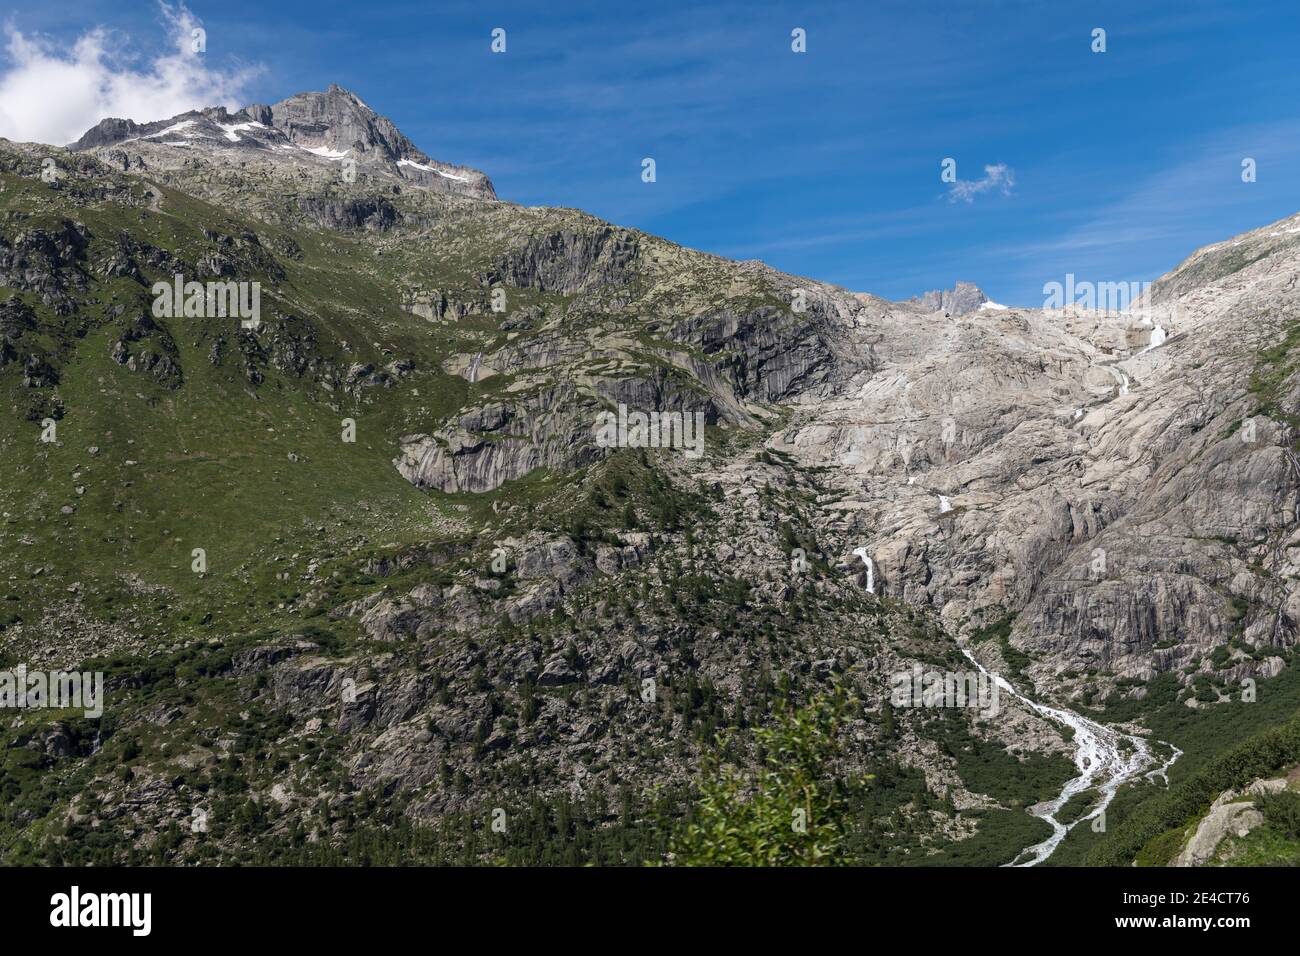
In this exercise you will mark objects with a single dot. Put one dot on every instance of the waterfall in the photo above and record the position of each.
(944, 504)
(473, 367)
(1158, 336)
(871, 577)
(1123, 384)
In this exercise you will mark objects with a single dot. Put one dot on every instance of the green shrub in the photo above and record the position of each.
(790, 814)
(1282, 811)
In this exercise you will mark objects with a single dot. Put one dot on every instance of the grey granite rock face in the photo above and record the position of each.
(340, 120)
(107, 132)
(1132, 507)
(962, 299)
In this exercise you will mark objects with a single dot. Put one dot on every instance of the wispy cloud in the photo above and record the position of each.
(1000, 177)
(52, 95)
(1148, 228)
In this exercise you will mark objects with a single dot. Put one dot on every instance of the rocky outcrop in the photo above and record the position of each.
(371, 214)
(146, 346)
(767, 355)
(487, 446)
(107, 132)
(961, 299)
(438, 305)
(47, 262)
(1231, 816)
(570, 262)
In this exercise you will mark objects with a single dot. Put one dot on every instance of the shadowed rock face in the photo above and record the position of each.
(110, 131)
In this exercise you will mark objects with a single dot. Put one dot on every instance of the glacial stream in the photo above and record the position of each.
(1105, 758)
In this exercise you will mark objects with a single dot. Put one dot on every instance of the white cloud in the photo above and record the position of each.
(53, 95)
(1001, 177)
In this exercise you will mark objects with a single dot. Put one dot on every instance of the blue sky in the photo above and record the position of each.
(826, 163)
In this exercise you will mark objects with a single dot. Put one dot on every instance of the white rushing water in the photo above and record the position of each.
(1158, 336)
(1105, 757)
(871, 574)
(944, 504)
(1123, 384)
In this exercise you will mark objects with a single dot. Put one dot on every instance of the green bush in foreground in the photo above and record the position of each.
(791, 813)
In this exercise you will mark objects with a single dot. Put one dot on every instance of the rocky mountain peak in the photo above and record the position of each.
(962, 298)
(340, 121)
(313, 128)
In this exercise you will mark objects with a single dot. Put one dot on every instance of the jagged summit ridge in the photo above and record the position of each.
(961, 299)
(340, 121)
(312, 128)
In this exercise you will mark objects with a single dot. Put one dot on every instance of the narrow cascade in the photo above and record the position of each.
(944, 504)
(871, 577)
(1158, 336)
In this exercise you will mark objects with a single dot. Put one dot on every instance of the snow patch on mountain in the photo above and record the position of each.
(430, 169)
(325, 151)
(233, 130)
